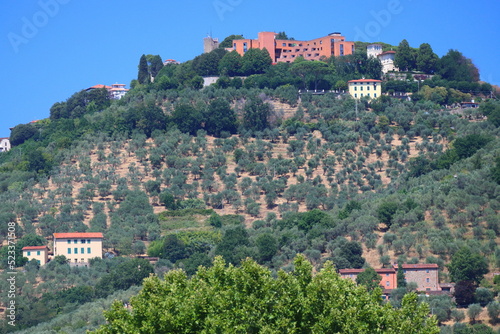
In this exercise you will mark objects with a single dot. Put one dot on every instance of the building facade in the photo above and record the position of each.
(39, 253)
(426, 276)
(78, 247)
(388, 276)
(386, 58)
(210, 44)
(116, 91)
(282, 50)
(4, 144)
(370, 88)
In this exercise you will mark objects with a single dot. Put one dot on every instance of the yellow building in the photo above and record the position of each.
(39, 253)
(78, 247)
(370, 88)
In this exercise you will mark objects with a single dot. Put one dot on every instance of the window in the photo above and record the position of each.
(82, 250)
(368, 88)
(361, 94)
(387, 283)
(37, 252)
(361, 88)
(234, 46)
(427, 279)
(355, 88)
(88, 241)
(88, 250)
(75, 250)
(29, 253)
(341, 49)
(69, 241)
(427, 271)
(69, 250)
(375, 95)
(284, 44)
(355, 95)
(245, 47)
(75, 241)
(82, 241)
(387, 275)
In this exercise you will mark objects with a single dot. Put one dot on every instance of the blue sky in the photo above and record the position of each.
(50, 49)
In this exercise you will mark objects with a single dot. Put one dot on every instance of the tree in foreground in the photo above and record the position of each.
(369, 278)
(247, 299)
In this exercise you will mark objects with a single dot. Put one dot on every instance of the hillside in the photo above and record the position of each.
(186, 174)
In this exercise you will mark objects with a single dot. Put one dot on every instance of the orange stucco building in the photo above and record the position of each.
(282, 50)
(388, 276)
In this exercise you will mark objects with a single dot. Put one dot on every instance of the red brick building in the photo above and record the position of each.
(282, 50)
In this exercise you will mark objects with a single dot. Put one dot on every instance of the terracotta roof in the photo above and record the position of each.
(77, 235)
(418, 266)
(34, 247)
(357, 271)
(350, 271)
(98, 86)
(365, 80)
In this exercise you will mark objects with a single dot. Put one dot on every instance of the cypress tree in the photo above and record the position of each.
(401, 276)
(143, 76)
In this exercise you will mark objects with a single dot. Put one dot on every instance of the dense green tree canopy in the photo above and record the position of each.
(256, 61)
(220, 117)
(455, 66)
(22, 132)
(466, 265)
(230, 64)
(228, 41)
(405, 57)
(426, 59)
(369, 278)
(248, 299)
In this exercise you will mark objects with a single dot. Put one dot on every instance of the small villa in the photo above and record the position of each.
(78, 247)
(39, 253)
(369, 88)
(116, 91)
